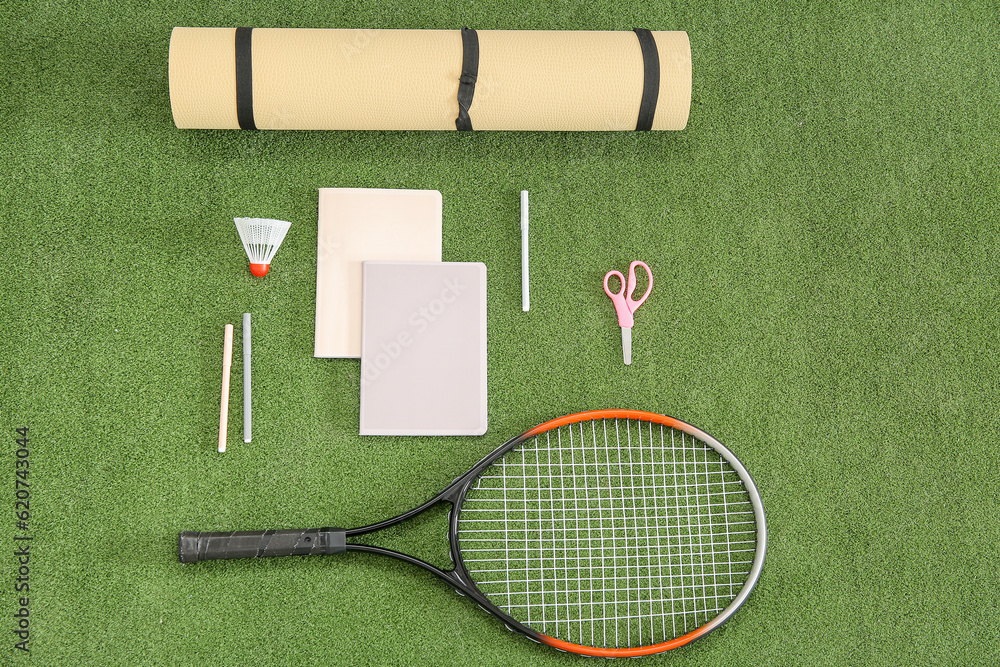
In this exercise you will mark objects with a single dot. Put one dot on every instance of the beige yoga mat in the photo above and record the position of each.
(322, 79)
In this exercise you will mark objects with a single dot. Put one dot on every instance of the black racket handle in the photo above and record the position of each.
(193, 546)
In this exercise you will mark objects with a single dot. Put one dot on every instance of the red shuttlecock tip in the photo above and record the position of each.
(259, 270)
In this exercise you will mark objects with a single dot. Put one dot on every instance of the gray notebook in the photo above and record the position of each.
(423, 348)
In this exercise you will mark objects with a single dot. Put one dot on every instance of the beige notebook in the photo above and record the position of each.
(358, 224)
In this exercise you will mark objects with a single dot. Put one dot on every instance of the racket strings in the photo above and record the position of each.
(611, 533)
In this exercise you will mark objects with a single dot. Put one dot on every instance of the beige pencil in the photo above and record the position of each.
(227, 364)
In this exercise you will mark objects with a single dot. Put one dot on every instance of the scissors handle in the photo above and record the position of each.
(633, 304)
(625, 305)
(625, 318)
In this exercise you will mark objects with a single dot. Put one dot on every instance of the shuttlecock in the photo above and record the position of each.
(261, 239)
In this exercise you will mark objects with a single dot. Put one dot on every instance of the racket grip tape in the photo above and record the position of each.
(194, 546)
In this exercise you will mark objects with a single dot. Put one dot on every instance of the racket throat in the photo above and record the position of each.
(451, 576)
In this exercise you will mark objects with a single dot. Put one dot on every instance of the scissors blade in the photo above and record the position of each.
(627, 345)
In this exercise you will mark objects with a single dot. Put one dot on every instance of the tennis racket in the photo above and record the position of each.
(604, 533)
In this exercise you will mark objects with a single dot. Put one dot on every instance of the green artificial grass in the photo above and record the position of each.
(824, 237)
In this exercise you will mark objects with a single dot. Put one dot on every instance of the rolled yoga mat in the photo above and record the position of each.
(319, 79)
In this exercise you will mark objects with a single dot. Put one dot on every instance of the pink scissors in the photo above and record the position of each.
(625, 305)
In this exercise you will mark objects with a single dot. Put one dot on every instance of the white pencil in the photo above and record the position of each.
(525, 298)
(227, 364)
(246, 377)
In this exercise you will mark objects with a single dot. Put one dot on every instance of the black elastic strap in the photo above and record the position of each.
(650, 79)
(467, 84)
(244, 79)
